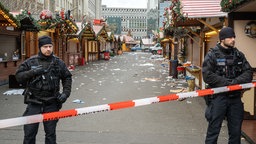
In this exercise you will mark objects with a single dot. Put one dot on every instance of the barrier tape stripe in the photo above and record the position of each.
(121, 105)
(4, 123)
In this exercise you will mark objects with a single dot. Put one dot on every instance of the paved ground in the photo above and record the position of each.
(129, 76)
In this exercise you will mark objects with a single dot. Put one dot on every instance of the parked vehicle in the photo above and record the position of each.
(145, 47)
(136, 47)
(154, 49)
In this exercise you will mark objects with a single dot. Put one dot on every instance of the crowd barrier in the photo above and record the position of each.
(4, 123)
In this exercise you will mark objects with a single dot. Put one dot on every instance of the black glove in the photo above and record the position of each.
(62, 98)
(38, 70)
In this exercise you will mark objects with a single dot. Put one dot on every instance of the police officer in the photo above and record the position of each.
(225, 65)
(43, 74)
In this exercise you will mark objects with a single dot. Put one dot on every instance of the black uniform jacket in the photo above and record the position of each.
(210, 67)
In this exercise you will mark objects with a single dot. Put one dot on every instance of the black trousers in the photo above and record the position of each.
(220, 107)
(30, 130)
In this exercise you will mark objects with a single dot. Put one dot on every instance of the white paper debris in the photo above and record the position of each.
(78, 101)
(147, 64)
(14, 92)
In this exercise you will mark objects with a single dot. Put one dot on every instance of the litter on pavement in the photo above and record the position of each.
(14, 92)
(78, 101)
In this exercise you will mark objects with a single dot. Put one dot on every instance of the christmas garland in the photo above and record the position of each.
(65, 25)
(173, 15)
(6, 11)
(229, 5)
(49, 23)
(29, 24)
(177, 15)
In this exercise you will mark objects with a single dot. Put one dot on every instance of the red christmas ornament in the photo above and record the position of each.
(46, 14)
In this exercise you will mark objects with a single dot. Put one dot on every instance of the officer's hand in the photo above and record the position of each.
(62, 98)
(38, 70)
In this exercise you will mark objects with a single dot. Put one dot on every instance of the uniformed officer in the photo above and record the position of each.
(225, 65)
(43, 74)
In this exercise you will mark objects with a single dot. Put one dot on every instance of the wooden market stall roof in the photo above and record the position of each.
(27, 22)
(100, 31)
(71, 26)
(111, 36)
(190, 12)
(7, 19)
(99, 27)
(202, 8)
(129, 39)
(66, 26)
(86, 31)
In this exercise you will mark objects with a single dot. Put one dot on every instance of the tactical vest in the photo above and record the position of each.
(48, 84)
(228, 66)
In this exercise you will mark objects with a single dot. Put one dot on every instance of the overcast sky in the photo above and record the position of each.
(125, 3)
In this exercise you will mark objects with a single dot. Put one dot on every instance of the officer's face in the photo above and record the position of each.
(228, 42)
(47, 49)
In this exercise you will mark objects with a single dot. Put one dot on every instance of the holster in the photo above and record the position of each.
(29, 98)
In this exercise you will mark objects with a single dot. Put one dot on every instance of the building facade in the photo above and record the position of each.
(78, 8)
(140, 22)
(123, 20)
(152, 21)
(86, 8)
(152, 4)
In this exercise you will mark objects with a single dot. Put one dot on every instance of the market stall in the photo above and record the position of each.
(10, 44)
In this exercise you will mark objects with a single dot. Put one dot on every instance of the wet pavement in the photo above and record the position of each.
(130, 76)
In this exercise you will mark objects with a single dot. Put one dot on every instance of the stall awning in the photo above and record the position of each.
(202, 8)
(128, 39)
(193, 10)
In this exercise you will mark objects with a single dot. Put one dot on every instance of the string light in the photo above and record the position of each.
(8, 19)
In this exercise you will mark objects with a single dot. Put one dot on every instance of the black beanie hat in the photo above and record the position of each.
(43, 40)
(226, 32)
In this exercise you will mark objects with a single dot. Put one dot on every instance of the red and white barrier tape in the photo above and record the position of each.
(118, 105)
